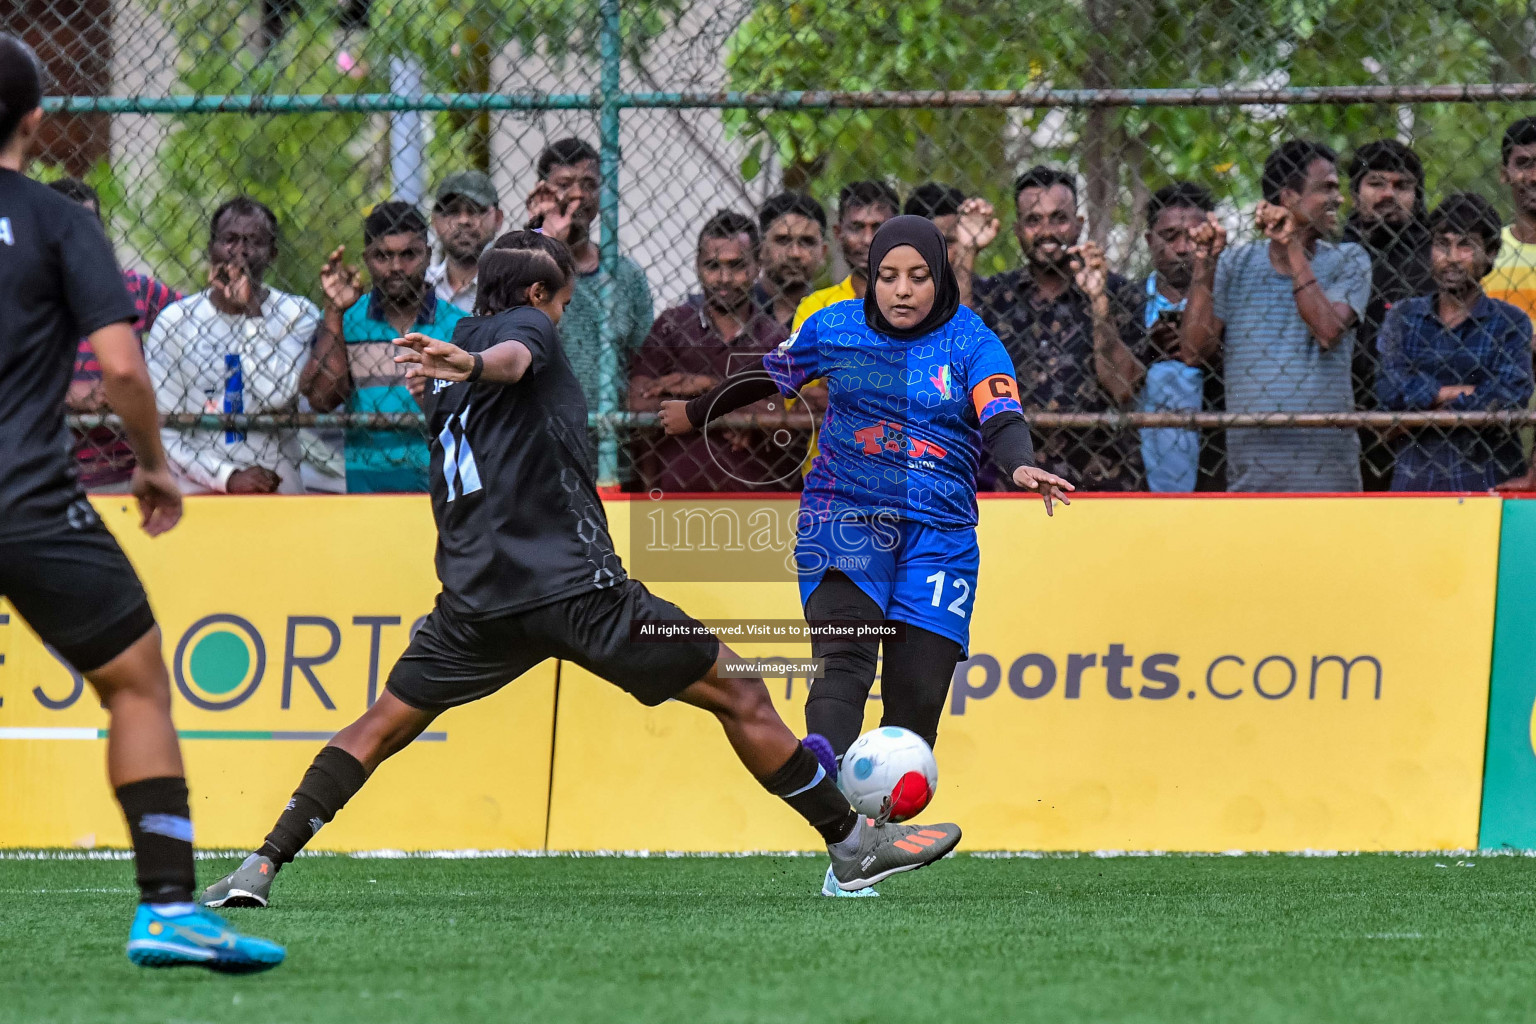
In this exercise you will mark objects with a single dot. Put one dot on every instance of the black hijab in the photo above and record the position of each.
(921, 234)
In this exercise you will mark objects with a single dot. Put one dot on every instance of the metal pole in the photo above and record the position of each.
(608, 244)
(407, 134)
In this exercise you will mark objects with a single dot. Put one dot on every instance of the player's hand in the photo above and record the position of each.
(1209, 238)
(231, 285)
(342, 285)
(978, 225)
(1090, 268)
(674, 418)
(427, 357)
(253, 480)
(159, 500)
(1048, 485)
(1275, 222)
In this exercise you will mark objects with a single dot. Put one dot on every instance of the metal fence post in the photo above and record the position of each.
(608, 246)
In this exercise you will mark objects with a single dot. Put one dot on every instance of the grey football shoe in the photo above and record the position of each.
(249, 885)
(886, 850)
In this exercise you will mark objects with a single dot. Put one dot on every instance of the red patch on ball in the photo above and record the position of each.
(910, 795)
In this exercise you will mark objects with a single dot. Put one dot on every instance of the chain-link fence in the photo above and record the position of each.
(1281, 365)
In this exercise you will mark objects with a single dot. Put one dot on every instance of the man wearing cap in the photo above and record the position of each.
(466, 215)
(354, 354)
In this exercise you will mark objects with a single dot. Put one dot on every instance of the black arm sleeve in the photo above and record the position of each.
(1007, 437)
(735, 392)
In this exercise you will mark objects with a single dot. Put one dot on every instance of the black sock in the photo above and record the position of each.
(835, 706)
(805, 785)
(160, 824)
(333, 778)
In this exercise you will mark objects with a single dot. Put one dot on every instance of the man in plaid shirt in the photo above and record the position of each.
(102, 456)
(1458, 350)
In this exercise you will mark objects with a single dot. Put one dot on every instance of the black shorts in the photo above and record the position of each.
(453, 660)
(77, 590)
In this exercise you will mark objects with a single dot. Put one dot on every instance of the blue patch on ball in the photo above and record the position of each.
(862, 768)
(892, 732)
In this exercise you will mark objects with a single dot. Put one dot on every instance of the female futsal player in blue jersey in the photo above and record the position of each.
(887, 525)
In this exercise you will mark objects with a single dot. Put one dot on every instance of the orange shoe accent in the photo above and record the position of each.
(902, 844)
(933, 834)
(917, 837)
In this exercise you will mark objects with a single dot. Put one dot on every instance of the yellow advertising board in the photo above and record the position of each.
(1144, 674)
(1180, 674)
(281, 617)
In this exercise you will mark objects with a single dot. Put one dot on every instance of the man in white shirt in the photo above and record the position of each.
(466, 215)
(236, 347)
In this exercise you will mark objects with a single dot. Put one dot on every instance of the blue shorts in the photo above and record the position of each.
(917, 574)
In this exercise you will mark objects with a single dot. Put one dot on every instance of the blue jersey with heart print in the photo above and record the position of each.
(902, 433)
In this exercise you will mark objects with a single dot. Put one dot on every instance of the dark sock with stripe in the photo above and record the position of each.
(332, 779)
(160, 824)
(805, 785)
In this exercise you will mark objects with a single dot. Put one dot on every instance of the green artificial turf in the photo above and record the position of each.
(1185, 939)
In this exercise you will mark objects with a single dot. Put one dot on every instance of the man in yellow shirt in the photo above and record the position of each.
(1513, 278)
(861, 208)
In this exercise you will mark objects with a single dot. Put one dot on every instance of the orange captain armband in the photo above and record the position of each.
(997, 393)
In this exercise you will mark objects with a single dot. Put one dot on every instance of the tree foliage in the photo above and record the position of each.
(1124, 152)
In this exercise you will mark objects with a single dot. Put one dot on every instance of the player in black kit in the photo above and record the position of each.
(529, 572)
(59, 566)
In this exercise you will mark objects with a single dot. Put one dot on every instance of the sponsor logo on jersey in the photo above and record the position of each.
(942, 380)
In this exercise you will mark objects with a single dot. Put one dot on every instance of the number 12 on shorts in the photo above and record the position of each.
(958, 583)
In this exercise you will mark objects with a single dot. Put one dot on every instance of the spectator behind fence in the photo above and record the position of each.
(1513, 278)
(1282, 312)
(1386, 187)
(1064, 319)
(968, 226)
(862, 207)
(1171, 456)
(103, 457)
(1460, 350)
(466, 215)
(564, 205)
(236, 347)
(354, 353)
(689, 350)
(792, 253)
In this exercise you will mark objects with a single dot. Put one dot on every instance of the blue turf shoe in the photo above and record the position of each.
(829, 887)
(197, 938)
(819, 745)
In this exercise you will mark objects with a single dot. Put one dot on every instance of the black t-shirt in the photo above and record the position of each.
(519, 522)
(58, 282)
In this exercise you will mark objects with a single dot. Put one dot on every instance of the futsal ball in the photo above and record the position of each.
(889, 773)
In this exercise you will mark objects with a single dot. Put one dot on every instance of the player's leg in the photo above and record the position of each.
(332, 779)
(596, 630)
(114, 643)
(449, 662)
(915, 683)
(846, 567)
(834, 708)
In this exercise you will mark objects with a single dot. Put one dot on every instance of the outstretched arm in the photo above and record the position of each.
(503, 363)
(734, 392)
(1006, 433)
